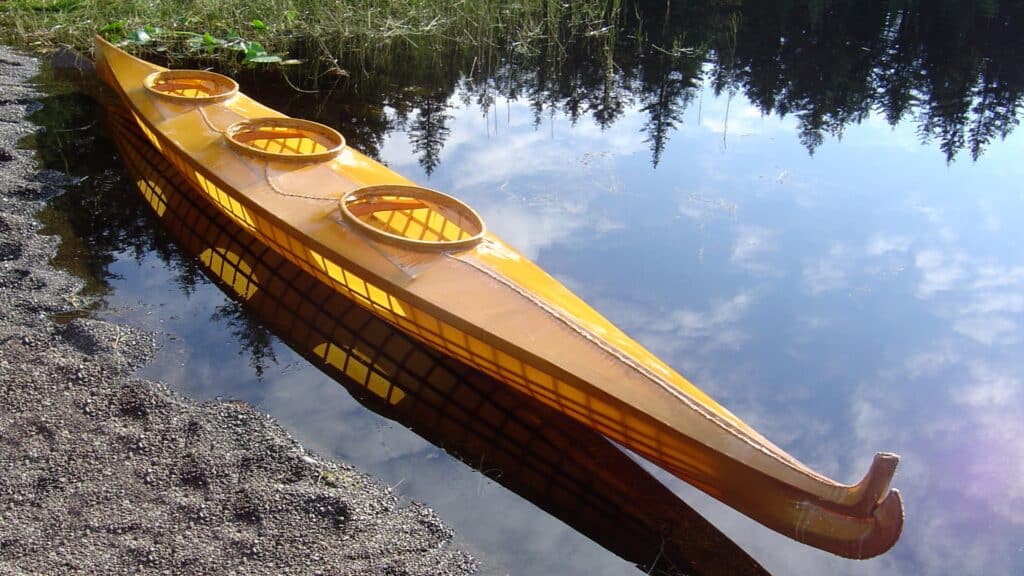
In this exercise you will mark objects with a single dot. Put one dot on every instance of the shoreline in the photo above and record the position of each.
(101, 472)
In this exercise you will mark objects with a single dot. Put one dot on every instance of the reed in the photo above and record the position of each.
(225, 28)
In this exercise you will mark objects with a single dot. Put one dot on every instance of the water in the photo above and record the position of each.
(844, 295)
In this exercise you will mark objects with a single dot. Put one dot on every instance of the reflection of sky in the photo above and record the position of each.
(868, 298)
(201, 358)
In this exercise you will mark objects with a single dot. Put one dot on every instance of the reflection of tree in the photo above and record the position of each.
(820, 72)
(255, 340)
(998, 97)
(102, 218)
(972, 77)
(669, 95)
(898, 73)
(100, 215)
(612, 94)
(954, 67)
(429, 130)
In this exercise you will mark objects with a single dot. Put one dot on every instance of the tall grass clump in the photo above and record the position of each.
(372, 27)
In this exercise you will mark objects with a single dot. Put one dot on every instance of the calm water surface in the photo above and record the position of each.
(844, 295)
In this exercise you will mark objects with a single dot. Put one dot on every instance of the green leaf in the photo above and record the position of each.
(117, 26)
(254, 50)
(265, 59)
(258, 24)
(209, 40)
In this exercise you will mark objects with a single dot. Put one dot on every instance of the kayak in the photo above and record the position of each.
(559, 465)
(425, 262)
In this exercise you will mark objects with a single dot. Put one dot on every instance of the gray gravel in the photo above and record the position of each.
(101, 472)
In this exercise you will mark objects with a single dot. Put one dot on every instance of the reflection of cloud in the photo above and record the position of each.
(988, 388)
(750, 250)
(532, 229)
(984, 316)
(699, 207)
(963, 462)
(522, 151)
(930, 363)
(991, 215)
(988, 330)
(991, 276)
(881, 244)
(740, 121)
(604, 224)
(939, 272)
(715, 328)
(998, 471)
(991, 404)
(937, 219)
(517, 153)
(995, 302)
(989, 298)
(828, 273)
(534, 187)
(883, 256)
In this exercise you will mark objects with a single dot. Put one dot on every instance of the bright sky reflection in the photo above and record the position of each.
(866, 298)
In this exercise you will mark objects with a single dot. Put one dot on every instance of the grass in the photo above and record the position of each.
(228, 28)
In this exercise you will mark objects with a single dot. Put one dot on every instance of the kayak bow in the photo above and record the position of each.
(425, 262)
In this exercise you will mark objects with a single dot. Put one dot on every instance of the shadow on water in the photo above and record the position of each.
(560, 465)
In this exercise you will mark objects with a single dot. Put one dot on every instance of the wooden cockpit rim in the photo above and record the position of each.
(217, 86)
(402, 196)
(241, 133)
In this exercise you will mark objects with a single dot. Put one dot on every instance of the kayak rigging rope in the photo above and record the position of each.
(277, 188)
(202, 114)
(407, 269)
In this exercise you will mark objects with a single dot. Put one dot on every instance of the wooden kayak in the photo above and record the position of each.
(424, 262)
(558, 464)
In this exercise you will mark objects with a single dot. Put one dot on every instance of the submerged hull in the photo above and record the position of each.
(425, 263)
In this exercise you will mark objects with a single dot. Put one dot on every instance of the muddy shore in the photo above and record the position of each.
(104, 473)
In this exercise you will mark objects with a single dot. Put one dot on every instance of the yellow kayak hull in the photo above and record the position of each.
(461, 290)
(558, 464)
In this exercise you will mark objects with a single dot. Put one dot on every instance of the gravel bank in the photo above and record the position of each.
(101, 472)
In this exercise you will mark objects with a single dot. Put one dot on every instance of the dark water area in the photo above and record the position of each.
(813, 210)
